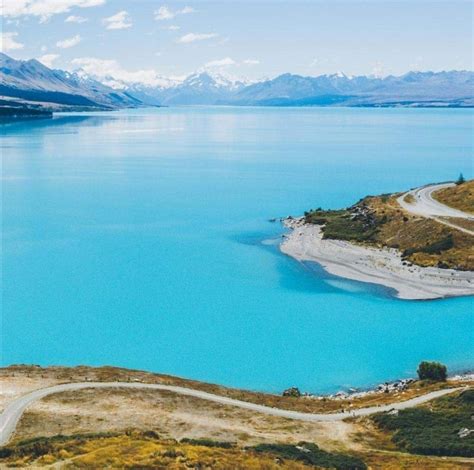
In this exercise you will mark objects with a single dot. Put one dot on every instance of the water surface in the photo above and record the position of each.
(135, 239)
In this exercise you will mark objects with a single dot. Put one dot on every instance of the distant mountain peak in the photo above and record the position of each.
(32, 78)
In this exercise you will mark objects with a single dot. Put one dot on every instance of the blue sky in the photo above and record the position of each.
(142, 38)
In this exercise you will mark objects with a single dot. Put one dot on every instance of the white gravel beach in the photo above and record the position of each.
(378, 266)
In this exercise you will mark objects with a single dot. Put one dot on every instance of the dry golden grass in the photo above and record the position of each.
(465, 223)
(172, 416)
(136, 450)
(37, 375)
(384, 460)
(406, 231)
(144, 450)
(460, 196)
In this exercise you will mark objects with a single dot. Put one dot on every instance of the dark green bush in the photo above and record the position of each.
(311, 454)
(207, 443)
(432, 371)
(427, 432)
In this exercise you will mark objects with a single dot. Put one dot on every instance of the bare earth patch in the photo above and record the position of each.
(174, 417)
(171, 416)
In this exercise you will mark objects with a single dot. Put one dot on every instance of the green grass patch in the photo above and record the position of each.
(435, 430)
(311, 454)
(344, 225)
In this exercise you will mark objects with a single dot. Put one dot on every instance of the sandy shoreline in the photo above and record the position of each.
(378, 266)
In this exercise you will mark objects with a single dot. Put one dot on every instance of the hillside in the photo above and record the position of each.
(125, 428)
(30, 83)
(460, 196)
(380, 221)
(414, 89)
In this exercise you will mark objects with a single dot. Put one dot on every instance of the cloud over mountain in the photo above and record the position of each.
(8, 42)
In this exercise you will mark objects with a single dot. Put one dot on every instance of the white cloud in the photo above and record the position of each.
(113, 74)
(221, 63)
(164, 13)
(228, 61)
(8, 42)
(48, 59)
(44, 48)
(193, 37)
(120, 20)
(75, 19)
(173, 27)
(44, 8)
(70, 42)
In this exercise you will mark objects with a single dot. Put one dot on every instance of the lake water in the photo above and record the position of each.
(142, 239)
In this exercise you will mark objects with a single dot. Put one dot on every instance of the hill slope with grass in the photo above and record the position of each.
(379, 221)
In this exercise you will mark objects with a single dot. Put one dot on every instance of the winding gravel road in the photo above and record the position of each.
(14, 410)
(425, 205)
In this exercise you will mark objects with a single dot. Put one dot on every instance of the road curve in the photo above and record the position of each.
(425, 205)
(14, 410)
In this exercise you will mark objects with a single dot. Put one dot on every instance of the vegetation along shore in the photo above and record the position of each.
(419, 243)
(129, 424)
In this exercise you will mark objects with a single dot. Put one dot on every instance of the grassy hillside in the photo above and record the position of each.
(150, 429)
(460, 196)
(147, 450)
(380, 221)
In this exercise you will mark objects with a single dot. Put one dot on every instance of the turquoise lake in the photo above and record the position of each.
(142, 239)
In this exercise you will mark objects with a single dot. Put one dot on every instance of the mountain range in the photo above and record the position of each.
(32, 85)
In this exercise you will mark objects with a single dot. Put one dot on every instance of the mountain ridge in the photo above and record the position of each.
(32, 84)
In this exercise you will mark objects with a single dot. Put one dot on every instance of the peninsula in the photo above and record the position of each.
(419, 243)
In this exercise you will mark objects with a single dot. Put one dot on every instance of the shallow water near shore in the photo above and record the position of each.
(140, 239)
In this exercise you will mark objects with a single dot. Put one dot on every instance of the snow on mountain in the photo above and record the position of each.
(31, 80)
(455, 88)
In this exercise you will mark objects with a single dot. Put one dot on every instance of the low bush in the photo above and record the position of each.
(311, 454)
(433, 432)
(207, 443)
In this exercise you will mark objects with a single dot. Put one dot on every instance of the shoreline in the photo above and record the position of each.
(398, 385)
(383, 266)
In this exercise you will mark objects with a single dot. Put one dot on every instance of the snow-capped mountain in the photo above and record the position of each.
(32, 81)
(197, 88)
(453, 88)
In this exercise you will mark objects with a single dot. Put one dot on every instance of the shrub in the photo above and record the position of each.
(311, 454)
(432, 371)
(292, 392)
(207, 443)
(433, 432)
